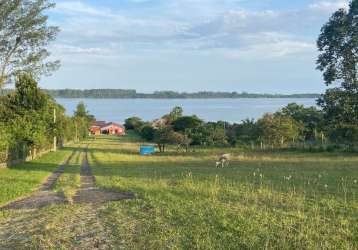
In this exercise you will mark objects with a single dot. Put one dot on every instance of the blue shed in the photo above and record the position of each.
(147, 150)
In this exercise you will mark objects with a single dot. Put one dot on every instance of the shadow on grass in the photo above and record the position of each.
(40, 165)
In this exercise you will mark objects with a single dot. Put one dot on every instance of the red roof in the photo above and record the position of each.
(99, 124)
(103, 124)
(114, 124)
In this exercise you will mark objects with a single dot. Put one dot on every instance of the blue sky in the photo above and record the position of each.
(189, 45)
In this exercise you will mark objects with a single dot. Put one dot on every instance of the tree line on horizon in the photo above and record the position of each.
(128, 93)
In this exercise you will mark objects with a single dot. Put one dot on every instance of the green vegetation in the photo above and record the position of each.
(338, 60)
(272, 199)
(30, 120)
(294, 126)
(263, 199)
(24, 38)
(19, 180)
(277, 200)
(128, 93)
(69, 181)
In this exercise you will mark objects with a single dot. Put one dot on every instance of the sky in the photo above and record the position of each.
(261, 46)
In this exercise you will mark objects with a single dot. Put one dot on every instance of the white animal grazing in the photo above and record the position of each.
(223, 160)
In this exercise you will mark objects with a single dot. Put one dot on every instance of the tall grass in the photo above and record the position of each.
(268, 200)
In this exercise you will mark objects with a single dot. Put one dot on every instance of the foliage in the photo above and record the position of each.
(4, 141)
(186, 123)
(344, 134)
(309, 119)
(28, 114)
(147, 132)
(246, 132)
(82, 120)
(338, 60)
(163, 136)
(133, 123)
(130, 93)
(176, 113)
(275, 129)
(24, 36)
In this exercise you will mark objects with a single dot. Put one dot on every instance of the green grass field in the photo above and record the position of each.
(24, 178)
(262, 200)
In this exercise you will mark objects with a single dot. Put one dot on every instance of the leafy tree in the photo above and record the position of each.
(246, 132)
(176, 113)
(27, 112)
(309, 119)
(275, 129)
(208, 134)
(147, 132)
(186, 123)
(4, 140)
(338, 46)
(133, 123)
(182, 140)
(24, 35)
(82, 112)
(83, 120)
(163, 136)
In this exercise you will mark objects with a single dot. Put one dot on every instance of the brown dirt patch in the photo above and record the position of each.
(44, 196)
(37, 200)
(89, 193)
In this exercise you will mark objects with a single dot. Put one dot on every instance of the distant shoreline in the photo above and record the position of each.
(179, 98)
(133, 94)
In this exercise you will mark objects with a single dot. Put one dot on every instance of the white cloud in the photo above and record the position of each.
(80, 7)
(329, 6)
(249, 34)
(69, 49)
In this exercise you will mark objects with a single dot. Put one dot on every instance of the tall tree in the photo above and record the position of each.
(275, 129)
(176, 113)
(24, 35)
(309, 119)
(81, 110)
(27, 113)
(83, 120)
(338, 60)
(163, 136)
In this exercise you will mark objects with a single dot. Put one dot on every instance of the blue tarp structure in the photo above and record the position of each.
(147, 150)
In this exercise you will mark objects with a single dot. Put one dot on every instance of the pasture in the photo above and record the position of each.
(263, 200)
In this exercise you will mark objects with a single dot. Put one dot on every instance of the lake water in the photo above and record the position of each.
(232, 110)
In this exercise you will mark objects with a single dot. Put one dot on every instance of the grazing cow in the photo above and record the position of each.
(223, 160)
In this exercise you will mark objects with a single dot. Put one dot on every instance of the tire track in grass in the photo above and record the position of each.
(80, 225)
(89, 193)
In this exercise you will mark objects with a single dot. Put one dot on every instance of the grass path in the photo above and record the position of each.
(263, 200)
(24, 178)
(78, 224)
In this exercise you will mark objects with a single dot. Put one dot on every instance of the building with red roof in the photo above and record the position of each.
(110, 128)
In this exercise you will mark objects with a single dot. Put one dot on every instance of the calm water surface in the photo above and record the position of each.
(232, 110)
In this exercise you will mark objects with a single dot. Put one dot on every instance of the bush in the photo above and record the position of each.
(133, 123)
(28, 114)
(147, 132)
